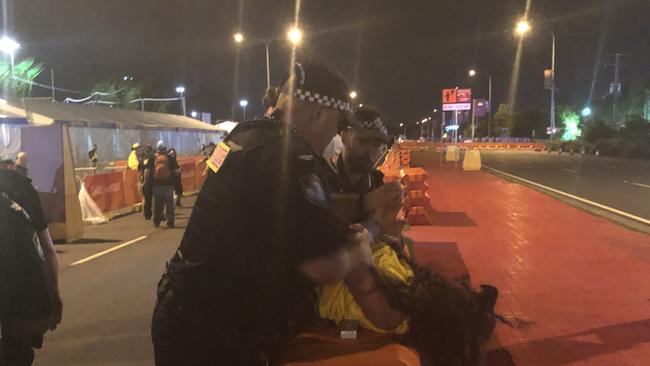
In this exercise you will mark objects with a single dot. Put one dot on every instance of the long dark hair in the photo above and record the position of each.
(448, 320)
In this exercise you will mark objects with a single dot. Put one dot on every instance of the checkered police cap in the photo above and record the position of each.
(370, 121)
(315, 83)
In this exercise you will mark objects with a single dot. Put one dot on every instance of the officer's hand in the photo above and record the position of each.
(363, 246)
(388, 195)
(390, 220)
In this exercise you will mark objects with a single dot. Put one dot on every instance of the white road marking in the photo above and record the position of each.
(569, 170)
(120, 246)
(640, 185)
(580, 199)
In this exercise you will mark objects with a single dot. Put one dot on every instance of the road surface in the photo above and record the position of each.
(108, 300)
(621, 184)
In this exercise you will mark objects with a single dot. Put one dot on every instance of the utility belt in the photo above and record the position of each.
(174, 273)
(255, 350)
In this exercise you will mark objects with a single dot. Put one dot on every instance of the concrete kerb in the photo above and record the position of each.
(622, 218)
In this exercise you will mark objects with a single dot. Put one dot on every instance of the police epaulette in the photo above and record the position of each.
(254, 132)
(263, 122)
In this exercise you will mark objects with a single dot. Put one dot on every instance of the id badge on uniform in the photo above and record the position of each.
(218, 157)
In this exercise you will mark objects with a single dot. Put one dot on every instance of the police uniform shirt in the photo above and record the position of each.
(261, 215)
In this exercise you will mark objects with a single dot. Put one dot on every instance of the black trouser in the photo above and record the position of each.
(163, 198)
(183, 335)
(17, 351)
(178, 185)
(147, 193)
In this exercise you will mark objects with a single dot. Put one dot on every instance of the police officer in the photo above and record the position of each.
(19, 337)
(261, 236)
(361, 190)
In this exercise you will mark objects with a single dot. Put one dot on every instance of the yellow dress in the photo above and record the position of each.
(335, 302)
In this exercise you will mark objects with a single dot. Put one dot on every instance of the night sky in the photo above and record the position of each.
(397, 54)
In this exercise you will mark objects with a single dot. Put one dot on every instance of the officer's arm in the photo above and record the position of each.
(52, 271)
(364, 284)
(49, 252)
(355, 265)
(336, 267)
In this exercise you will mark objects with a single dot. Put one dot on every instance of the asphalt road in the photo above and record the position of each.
(108, 301)
(617, 183)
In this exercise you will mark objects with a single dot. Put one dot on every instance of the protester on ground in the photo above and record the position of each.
(30, 302)
(134, 157)
(160, 174)
(261, 236)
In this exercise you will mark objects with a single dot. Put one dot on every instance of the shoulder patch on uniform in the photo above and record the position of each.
(312, 190)
(218, 157)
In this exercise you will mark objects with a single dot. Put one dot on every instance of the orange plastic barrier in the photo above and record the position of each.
(121, 188)
(132, 194)
(201, 174)
(417, 203)
(107, 190)
(188, 176)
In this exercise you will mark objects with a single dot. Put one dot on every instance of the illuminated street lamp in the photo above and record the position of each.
(586, 111)
(353, 94)
(295, 36)
(523, 27)
(181, 91)
(473, 73)
(243, 103)
(9, 46)
(194, 114)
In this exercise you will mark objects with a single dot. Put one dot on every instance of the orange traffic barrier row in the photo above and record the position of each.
(121, 188)
(494, 146)
(397, 167)
(417, 203)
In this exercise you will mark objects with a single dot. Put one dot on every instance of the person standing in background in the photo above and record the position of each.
(159, 174)
(176, 177)
(21, 164)
(133, 162)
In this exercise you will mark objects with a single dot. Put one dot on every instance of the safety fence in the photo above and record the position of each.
(493, 146)
(119, 188)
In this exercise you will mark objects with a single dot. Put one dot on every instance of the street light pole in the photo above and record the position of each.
(9, 47)
(294, 36)
(553, 90)
(12, 83)
(489, 105)
(243, 103)
(181, 90)
(268, 65)
(472, 73)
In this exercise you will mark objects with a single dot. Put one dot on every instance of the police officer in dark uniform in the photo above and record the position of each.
(361, 190)
(261, 236)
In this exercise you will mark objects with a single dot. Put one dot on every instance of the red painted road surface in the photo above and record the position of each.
(578, 284)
